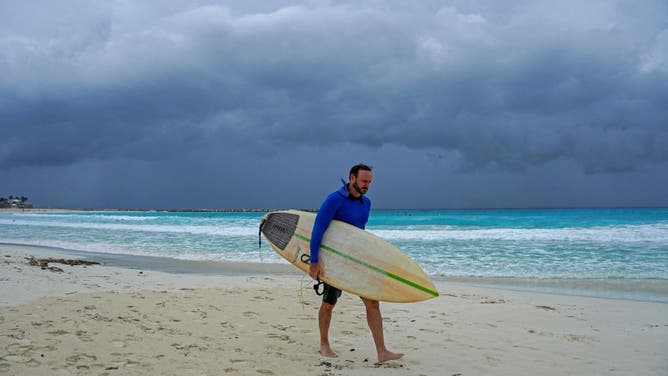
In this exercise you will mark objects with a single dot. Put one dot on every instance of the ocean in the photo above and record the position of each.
(612, 253)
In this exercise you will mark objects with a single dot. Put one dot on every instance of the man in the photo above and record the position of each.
(350, 205)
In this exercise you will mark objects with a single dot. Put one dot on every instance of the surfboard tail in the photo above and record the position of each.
(278, 228)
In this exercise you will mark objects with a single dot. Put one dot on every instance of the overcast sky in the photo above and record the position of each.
(266, 104)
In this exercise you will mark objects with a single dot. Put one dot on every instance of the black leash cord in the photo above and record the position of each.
(306, 259)
(259, 234)
(317, 289)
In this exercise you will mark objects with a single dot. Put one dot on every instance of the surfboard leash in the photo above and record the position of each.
(259, 240)
(306, 259)
(259, 233)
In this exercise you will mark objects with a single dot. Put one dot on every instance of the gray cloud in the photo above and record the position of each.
(488, 86)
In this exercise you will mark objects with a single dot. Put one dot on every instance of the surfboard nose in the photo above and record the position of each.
(278, 228)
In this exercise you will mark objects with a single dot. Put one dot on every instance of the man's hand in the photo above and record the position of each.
(315, 270)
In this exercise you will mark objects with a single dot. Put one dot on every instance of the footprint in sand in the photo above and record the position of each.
(80, 358)
(84, 336)
(493, 360)
(282, 337)
(33, 363)
(118, 343)
(18, 350)
(46, 324)
(282, 327)
(44, 349)
(58, 332)
(387, 365)
(197, 311)
(131, 363)
(580, 338)
(227, 325)
(214, 308)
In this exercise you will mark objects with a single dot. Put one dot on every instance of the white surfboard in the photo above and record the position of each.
(354, 260)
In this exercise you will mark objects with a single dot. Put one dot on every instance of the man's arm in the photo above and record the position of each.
(322, 221)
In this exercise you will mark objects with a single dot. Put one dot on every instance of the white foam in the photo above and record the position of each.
(627, 233)
(220, 230)
(87, 217)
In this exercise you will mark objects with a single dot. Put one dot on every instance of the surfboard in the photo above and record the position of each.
(354, 260)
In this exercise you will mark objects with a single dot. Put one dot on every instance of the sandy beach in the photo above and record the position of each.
(103, 320)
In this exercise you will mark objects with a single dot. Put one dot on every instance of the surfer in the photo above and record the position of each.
(348, 204)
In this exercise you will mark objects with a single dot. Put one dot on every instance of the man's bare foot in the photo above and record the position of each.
(326, 351)
(388, 355)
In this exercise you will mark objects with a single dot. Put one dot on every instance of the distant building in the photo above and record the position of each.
(14, 203)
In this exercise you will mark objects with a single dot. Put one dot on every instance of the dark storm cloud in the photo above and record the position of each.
(499, 86)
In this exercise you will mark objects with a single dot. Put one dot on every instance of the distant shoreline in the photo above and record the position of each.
(266, 210)
(36, 210)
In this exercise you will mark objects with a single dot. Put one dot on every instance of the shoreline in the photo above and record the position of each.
(265, 210)
(646, 290)
(103, 319)
(165, 264)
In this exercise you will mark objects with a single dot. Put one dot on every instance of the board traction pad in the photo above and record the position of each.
(279, 227)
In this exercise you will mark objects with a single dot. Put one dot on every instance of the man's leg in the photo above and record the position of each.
(375, 320)
(324, 319)
(329, 298)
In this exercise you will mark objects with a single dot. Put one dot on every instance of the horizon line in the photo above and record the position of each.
(214, 210)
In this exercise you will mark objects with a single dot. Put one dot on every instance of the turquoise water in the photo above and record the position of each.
(600, 243)
(620, 245)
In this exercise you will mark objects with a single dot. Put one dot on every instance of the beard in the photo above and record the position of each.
(358, 189)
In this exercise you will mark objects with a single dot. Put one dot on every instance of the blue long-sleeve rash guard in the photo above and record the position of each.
(340, 206)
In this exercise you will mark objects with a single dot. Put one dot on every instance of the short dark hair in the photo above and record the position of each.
(360, 166)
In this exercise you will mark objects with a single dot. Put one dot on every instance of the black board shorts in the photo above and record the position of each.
(330, 294)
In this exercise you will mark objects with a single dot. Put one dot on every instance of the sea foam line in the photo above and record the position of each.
(628, 233)
(221, 230)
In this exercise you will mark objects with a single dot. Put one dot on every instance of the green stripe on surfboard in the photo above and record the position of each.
(372, 267)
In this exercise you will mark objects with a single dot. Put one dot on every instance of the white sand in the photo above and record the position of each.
(99, 320)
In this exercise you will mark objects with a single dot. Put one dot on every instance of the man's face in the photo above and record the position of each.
(362, 182)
